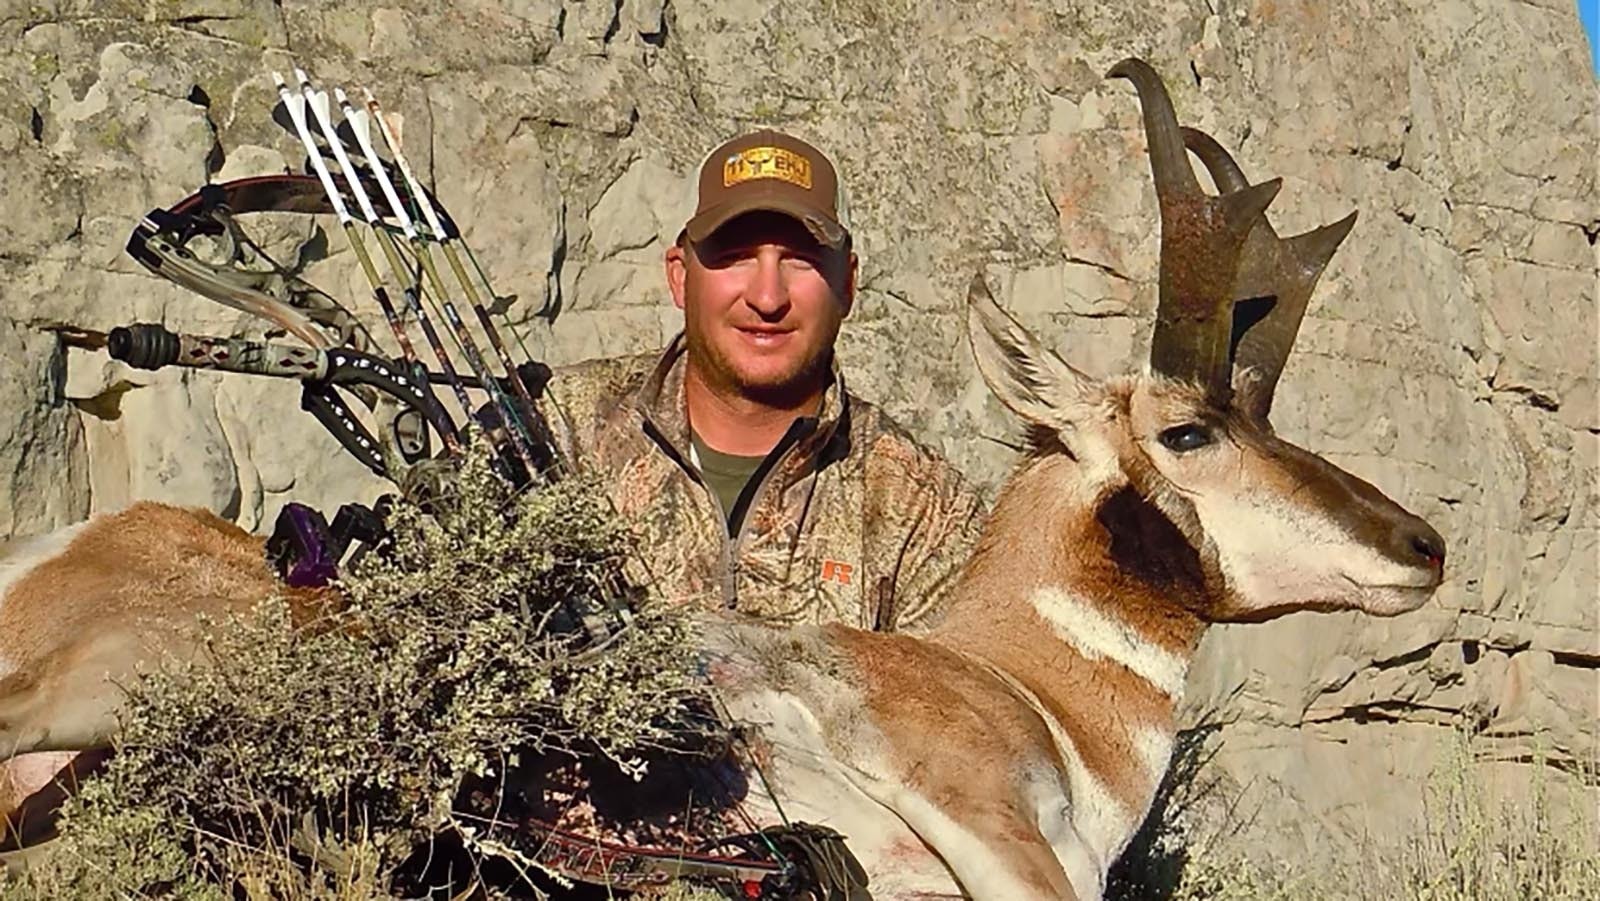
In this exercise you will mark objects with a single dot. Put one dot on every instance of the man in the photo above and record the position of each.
(755, 480)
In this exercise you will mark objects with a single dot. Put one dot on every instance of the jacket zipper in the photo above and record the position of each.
(729, 556)
(771, 465)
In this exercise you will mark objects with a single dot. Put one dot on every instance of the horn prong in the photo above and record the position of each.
(1289, 270)
(1286, 269)
(1225, 173)
(1244, 209)
(1201, 240)
(1315, 249)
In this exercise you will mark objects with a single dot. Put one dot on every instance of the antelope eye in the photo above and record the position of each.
(1184, 438)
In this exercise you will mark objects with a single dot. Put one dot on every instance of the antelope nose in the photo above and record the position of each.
(1426, 545)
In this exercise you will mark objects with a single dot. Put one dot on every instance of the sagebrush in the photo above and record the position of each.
(315, 762)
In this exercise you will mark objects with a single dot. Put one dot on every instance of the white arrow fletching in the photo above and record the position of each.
(364, 140)
(296, 105)
(359, 120)
(392, 138)
(319, 107)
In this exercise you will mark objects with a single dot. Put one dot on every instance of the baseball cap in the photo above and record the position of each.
(771, 171)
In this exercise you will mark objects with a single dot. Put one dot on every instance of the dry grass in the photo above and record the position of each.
(1473, 844)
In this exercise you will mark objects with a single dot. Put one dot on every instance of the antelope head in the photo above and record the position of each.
(1192, 490)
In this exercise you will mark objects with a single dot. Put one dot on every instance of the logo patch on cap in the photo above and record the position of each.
(766, 162)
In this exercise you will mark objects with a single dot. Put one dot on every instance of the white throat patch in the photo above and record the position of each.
(1099, 637)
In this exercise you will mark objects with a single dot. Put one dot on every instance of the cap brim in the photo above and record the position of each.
(827, 231)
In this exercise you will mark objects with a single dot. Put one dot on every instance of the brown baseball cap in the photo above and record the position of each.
(769, 170)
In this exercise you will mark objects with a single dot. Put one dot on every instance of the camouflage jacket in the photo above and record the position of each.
(851, 520)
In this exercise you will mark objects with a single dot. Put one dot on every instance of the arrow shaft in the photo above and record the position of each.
(429, 214)
(454, 258)
(452, 437)
(296, 107)
(475, 357)
(447, 243)
(412, 291)
(409, 290)
(412, 287)
(297, 113)
(358, 127)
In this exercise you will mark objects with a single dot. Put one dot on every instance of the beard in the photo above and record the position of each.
(792, 384)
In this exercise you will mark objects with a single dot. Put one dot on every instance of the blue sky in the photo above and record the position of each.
(1589, 12)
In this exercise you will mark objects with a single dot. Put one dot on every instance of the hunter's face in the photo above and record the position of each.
(762, 303)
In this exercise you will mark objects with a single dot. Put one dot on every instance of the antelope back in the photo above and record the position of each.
(83, 610)
(149, 564)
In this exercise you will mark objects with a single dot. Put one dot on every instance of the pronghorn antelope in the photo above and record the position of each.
(1012, 750)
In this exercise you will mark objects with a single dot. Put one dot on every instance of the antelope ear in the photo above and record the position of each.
(1027, 377)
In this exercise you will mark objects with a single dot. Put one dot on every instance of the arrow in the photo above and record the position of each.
(296, 106)
(446, 240)
(411, 287)
(357, 124)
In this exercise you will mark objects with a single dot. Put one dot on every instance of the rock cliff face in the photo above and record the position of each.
(1450, 356)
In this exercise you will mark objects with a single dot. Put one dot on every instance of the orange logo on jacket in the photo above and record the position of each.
(834, 571)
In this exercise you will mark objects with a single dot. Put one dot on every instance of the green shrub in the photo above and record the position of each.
(313, 762)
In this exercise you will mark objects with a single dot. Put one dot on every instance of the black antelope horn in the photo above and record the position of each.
(1225, 172)
(1283, 269)
(1201, 240)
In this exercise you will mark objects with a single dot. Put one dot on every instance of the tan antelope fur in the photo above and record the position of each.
(83, 608)
(1011, 752)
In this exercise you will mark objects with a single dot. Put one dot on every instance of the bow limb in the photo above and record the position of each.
(160, 242)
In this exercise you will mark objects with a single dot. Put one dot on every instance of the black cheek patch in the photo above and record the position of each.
(1149, 547)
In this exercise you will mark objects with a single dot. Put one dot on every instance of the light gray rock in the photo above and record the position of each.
(44, 479)
(1450, 356)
